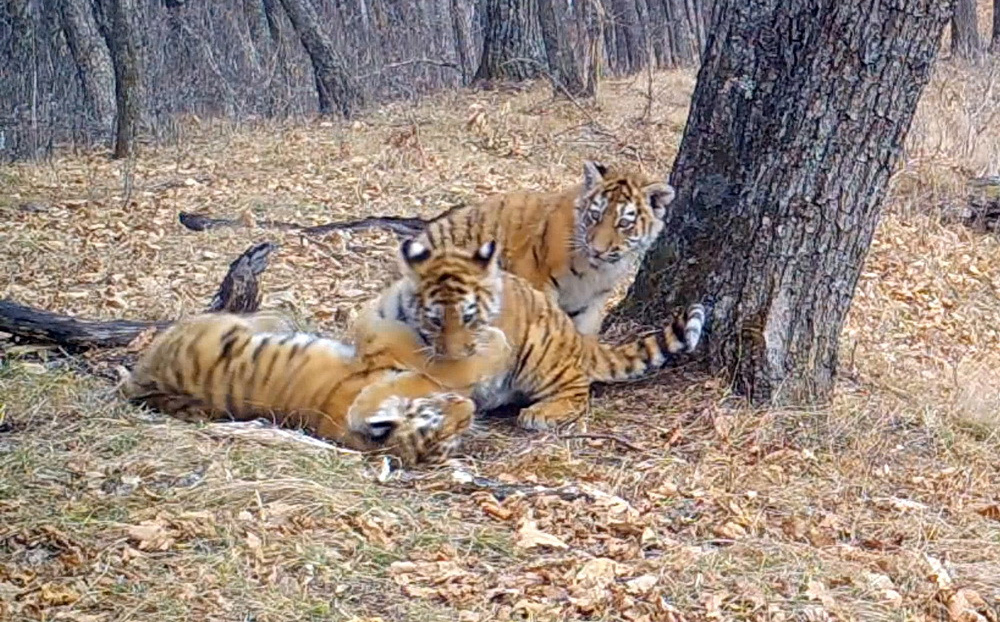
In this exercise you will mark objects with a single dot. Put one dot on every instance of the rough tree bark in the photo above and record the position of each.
(995, 40)
(797, 119)
(965, 43)
(460, 26)
(512, 42)
(122, 37)
(337, 90)
(562, 62)
(93, 61)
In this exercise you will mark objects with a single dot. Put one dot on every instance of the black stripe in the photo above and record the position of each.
(576, 312)
(575, 272)
(554, 281)
(229, 334)
(270, 369)
(522, 361)
(264, 341)
(192, 355)
(554, 385)
(661, 343)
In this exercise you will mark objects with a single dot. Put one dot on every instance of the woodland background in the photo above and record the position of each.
(244, 59)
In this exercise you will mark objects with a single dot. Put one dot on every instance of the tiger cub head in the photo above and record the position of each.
(618, 215)
(455, 296)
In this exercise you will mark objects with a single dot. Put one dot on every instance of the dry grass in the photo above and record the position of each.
(882, 508)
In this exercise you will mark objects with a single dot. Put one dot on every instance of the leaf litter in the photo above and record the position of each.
(882, 507)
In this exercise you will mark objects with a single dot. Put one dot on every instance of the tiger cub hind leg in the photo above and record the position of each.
(563, 407)
(424, 429)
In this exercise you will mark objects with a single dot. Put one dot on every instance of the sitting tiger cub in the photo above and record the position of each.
(454, 299)
(576, 244)
(219, 365)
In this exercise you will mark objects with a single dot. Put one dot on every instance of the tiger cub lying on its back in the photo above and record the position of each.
(576, 244)
(453, 299)
(219, 365)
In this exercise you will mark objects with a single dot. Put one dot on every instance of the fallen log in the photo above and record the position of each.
(400, 225)
(238, 293)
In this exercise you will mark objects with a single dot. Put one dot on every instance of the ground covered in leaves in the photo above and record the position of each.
(674, 500)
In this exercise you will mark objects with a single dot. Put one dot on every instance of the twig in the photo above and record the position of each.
(406, 63)
(605, 437)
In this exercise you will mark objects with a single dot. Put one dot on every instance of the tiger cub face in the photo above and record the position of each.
(618, 216)
(456, 295)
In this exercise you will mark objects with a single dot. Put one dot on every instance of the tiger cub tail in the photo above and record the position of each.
(621, 363)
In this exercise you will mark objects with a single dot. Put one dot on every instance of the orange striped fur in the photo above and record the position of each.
(456, 301)
(392, 398)
(576, 245)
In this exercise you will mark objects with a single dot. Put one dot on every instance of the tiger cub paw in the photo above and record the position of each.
(540, 418)
(425, 429)
(691, 326)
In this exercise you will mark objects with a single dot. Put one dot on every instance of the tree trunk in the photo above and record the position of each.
(797, 119)
(337, 90)
(995, 41)
(460, 26)
(965, 42)
(687, 32)
(562, 62)
(122, 36)
(512, 42)
(629, 38)
(93, 61)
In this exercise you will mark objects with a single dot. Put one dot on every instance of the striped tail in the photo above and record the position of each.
(607, 363)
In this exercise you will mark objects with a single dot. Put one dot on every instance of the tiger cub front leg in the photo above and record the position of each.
(588, 321)
(563, 407)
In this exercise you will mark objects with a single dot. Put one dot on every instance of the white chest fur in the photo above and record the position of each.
(586, 284)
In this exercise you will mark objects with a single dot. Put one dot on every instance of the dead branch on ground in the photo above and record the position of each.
(406, 227)
(238, 293)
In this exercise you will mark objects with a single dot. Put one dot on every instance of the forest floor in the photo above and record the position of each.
(681, 503)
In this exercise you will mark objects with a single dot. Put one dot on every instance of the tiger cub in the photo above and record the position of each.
(453, 298)
(219, 365)
(576, 244)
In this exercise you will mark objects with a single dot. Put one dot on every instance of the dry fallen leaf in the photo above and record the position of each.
(641, 585)
(58, 595)
(597, 572)
(730, 530)
(816, 590)
(529, 536)
(991, 511)
(152, 535)
(937, 573)
(966, 605)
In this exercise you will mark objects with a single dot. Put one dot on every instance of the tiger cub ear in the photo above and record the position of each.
(484, 254)
(593, 174)
(659, 195)
(414, 253)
